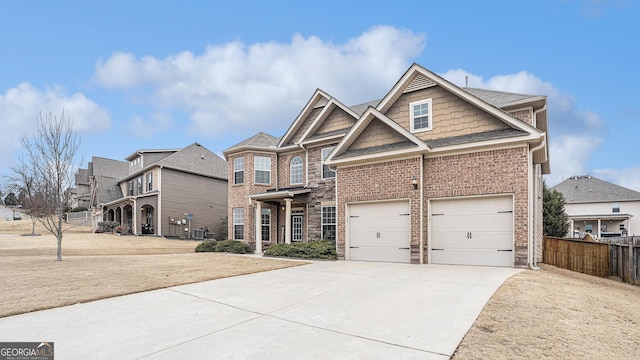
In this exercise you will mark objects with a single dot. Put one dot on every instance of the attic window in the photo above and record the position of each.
(420, 114)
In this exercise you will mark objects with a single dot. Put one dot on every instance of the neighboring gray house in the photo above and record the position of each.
(599, 207)
(167, 192)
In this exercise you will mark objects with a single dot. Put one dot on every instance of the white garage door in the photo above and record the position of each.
(472, 231)
(380, 231)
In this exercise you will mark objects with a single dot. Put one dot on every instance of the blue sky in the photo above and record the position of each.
(158, 74)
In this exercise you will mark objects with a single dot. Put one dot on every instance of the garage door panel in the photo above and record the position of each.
(480, 257)
(472, 231)
(380, 231)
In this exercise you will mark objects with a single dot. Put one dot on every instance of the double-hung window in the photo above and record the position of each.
(327, 173)
(130, 188)
(329, 223)
(139, 182)
(615, 207)
(266, 224)
(262, 166)
(296, 170)
(149, 181)
(421, 115)
(238, 224)
(238, 170)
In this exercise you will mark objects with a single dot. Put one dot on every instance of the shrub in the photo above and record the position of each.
(107, 226)
(315, 249)
(230, 246)
(78, 209)
(118, 229)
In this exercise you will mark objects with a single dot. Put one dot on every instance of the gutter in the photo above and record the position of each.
(533, 264)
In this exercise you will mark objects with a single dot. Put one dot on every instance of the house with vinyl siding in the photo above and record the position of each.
(168, 192)
(429, 173)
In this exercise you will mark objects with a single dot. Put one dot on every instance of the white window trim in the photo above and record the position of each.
(237, 171)
(323, 224)
(235, 222)
(266, 212)
(411, 116)
(255, 170)
(301, 171)
(322, 162)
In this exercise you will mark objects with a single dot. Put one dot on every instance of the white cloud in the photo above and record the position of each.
(571, 130)
(627, 177)
(19, 108)
(263, 86)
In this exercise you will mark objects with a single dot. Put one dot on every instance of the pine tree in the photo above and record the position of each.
(556, 221)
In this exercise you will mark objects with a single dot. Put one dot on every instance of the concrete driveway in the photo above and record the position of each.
(334, 310)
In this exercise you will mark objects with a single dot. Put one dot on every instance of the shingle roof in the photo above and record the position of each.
(260, 140)
(196, 158)
(497, 98)
(376, 149)
(577, 189)
(109, 167)
(361, 108)
(483, 136)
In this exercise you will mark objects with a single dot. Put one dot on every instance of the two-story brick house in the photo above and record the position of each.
(430, 173)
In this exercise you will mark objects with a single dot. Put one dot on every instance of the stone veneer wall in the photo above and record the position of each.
(483, 173)
(381, 181)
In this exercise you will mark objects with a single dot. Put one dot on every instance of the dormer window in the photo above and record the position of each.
(421, 115)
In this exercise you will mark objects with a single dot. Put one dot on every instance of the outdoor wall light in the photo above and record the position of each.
(414, 182)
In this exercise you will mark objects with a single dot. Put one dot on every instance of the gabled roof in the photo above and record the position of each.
(194, 158)
(581, 189)
(144, 151)
(317, 96)
(108, 167)
(416, 70)
(259, 141)
(361, 108)
(326, 111)
(341, 152)
(501, 99)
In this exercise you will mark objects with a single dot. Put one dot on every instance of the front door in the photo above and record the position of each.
(296, 228)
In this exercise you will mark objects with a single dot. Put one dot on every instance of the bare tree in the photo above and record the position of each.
(22, 180)
(51, 153)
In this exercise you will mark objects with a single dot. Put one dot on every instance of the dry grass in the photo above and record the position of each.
(557, 314)
(97, 266)
(546, 314)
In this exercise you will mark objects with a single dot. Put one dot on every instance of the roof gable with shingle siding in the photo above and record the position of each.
(306, 122)
(450, 115)
(584, 189)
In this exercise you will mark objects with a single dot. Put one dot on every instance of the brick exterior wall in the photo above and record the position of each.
(284, 169)
(238, 194)
(482, 173)
(525, 115)
(452, 116)
(381, 181)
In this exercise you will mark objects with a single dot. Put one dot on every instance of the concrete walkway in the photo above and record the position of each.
(325, 310)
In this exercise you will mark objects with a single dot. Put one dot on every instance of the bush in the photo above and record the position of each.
(118, 229)
(315, 249)
(230, 246)
(78, 209)
(107, 226)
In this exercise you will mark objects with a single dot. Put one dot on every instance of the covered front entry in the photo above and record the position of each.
(472, 231)
(379, 231)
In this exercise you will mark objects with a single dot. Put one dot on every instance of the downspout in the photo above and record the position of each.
(159, 216)
(421, 208)
(532, 219)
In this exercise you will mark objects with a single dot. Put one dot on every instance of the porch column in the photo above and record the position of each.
(287, 221)
(599, 228)
(258, 227)
(571, 232)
